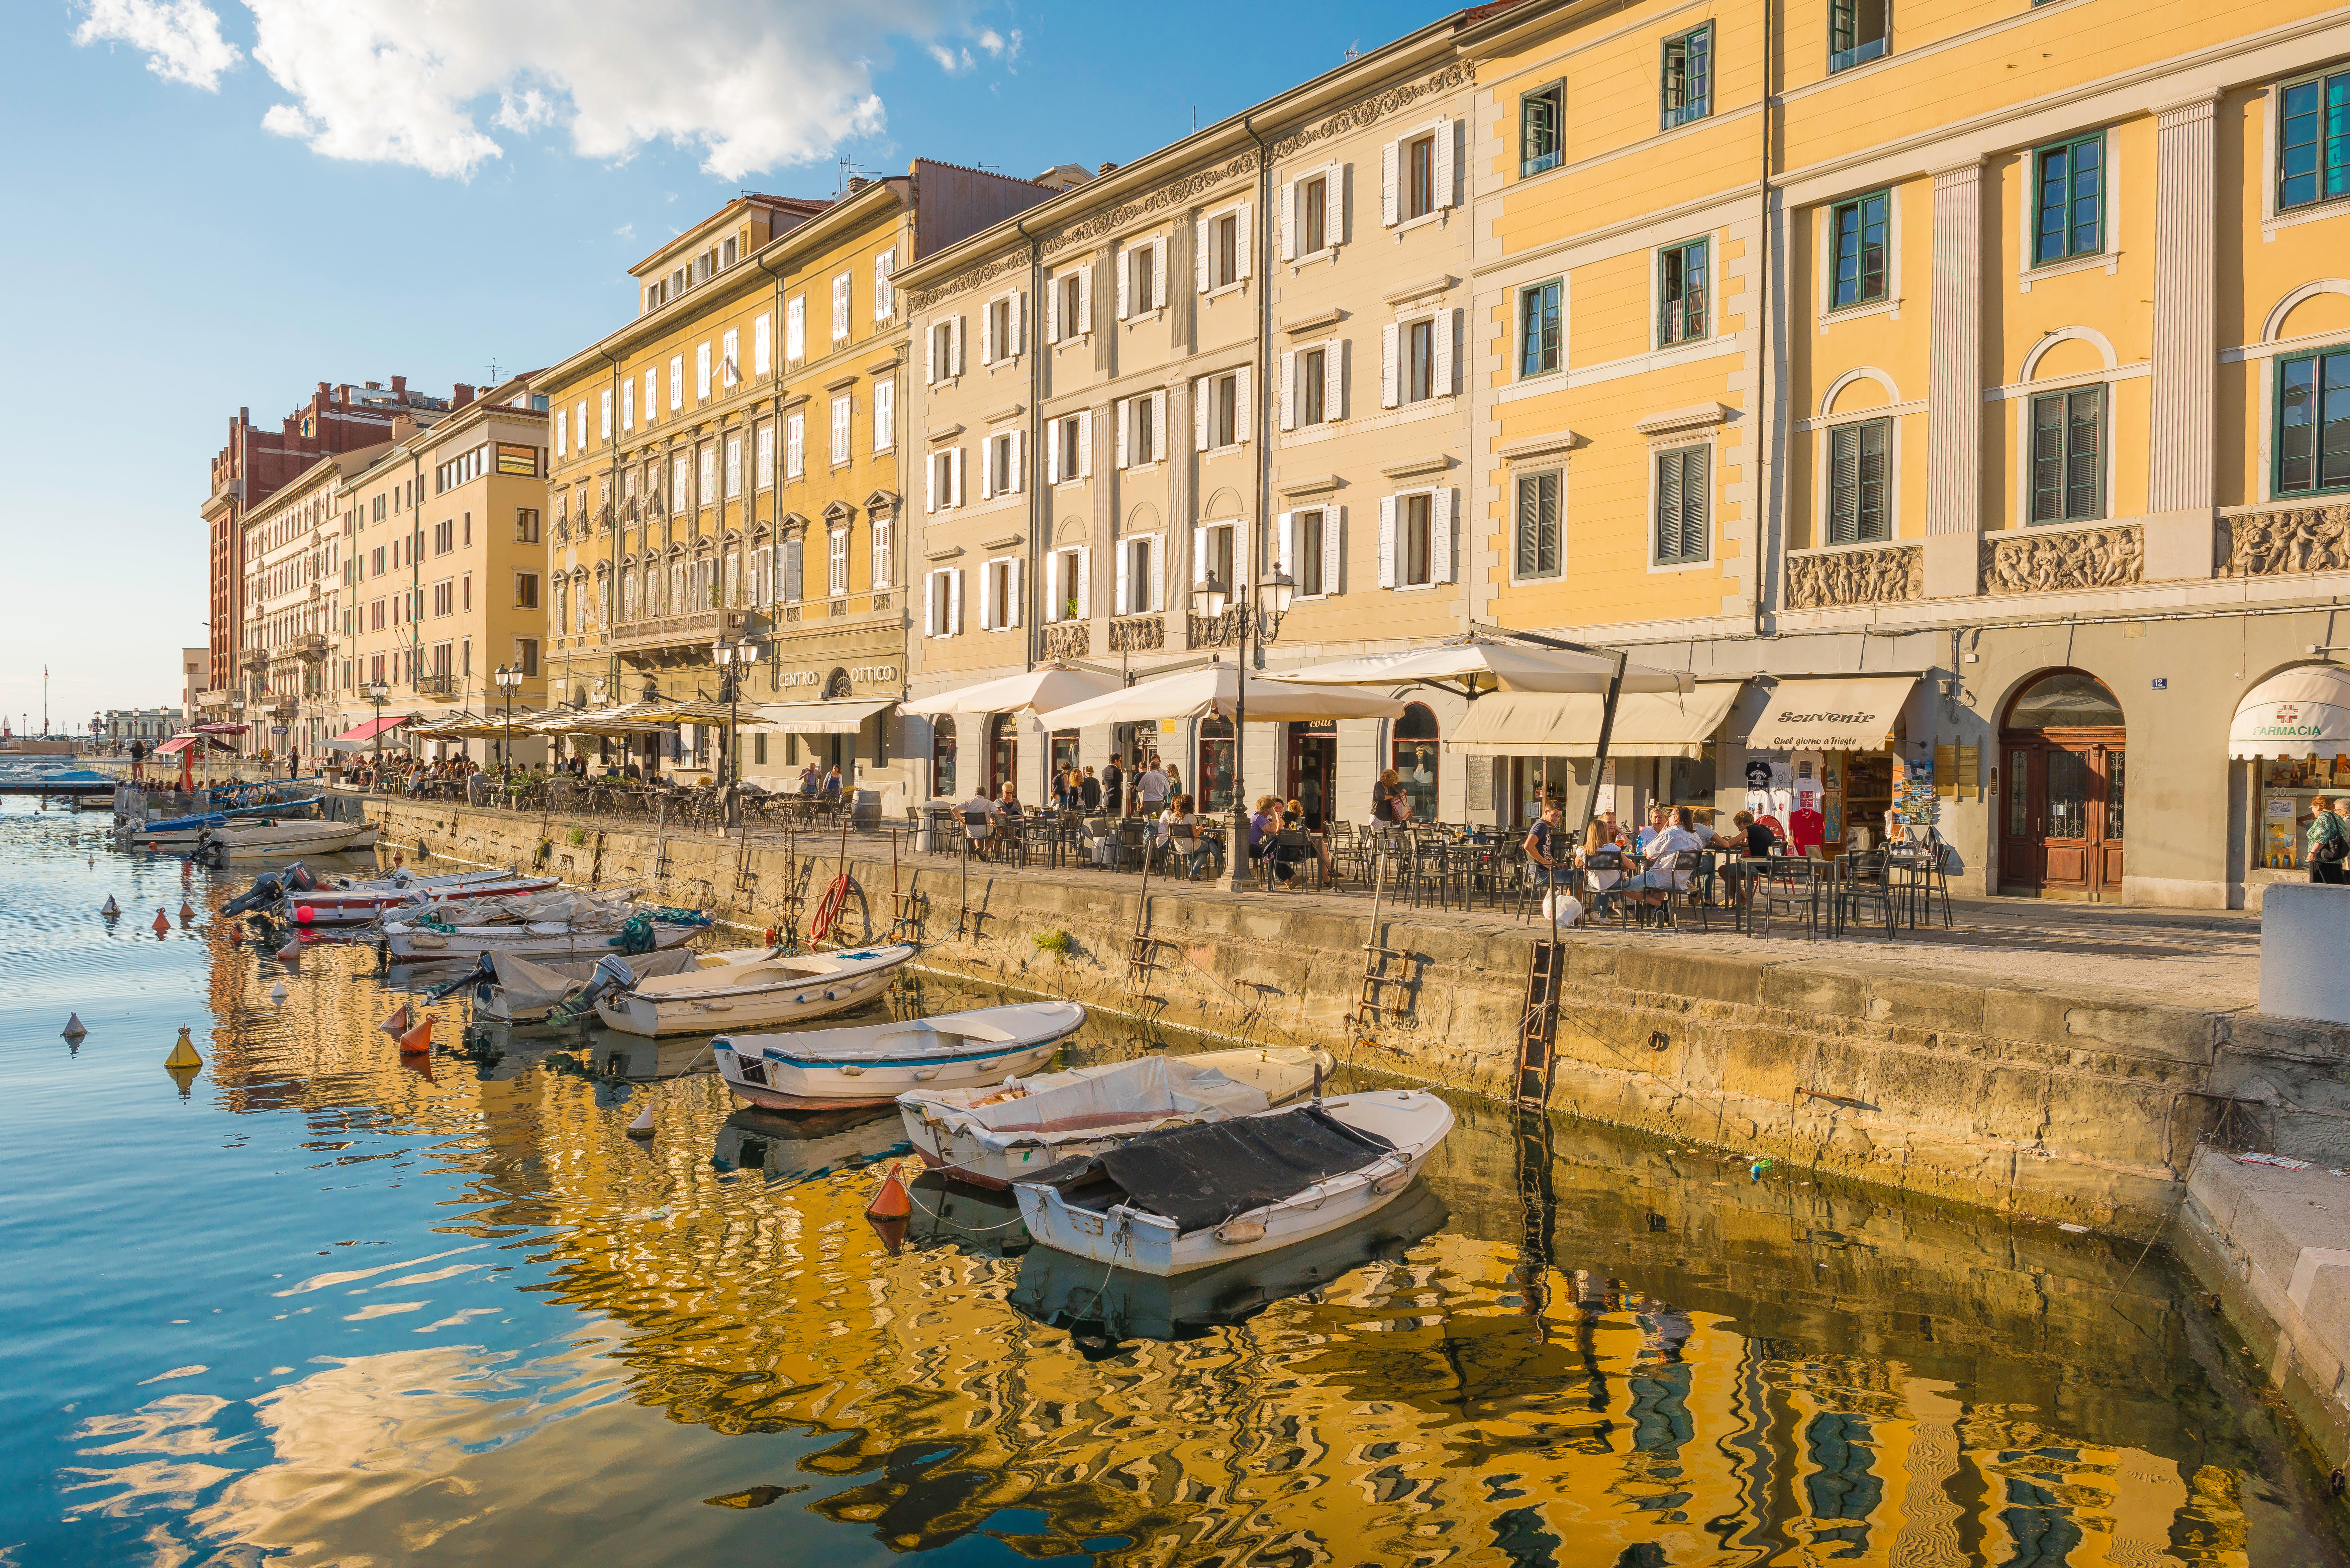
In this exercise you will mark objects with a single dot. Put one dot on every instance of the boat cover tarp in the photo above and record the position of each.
(1131, 1092)
(580, 910)
(1200, 1177)
(532, 986)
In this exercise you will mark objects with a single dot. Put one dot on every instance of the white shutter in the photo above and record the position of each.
(1289, 219)
(1443, 192)
(930, 357)
(1387, 541)
(1333, 532)
(987, 597)
(1084, 581)
(729, 359)
(1018, 472)
(1085, 443)
(1243, 246)
(954, 475)
(1240, 426)
(1440, 380)
(1334, 205)
(954, 602)
(1159, 274)
(987, 332)
(883, 265)
(930, 482)
(1199, 414)
(607, 414)
(1439, 535)
(1125, 601)
(1125, 273)
(931, 605)
(840, 307)
(1159, 426)
(1019, 315)
(1123, 413)
(1388, 205)
(795, 329)
(1053, 311)
(1388, 392)
(1157, 572)
(1085, 300)
(1280, 558)
(1012, 601)
(987, 469)
(1289, 390)
(1333, 380)
(956, 344)
(562, 433)
(761, 346)
(1198, 555)
(1199, 235)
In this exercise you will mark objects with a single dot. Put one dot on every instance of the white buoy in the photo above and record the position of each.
(277, 993)
(73, 1029)
(110, 908)
(643, 1126)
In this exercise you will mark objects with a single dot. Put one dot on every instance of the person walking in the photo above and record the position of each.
(2328, 845)
(1113, 787)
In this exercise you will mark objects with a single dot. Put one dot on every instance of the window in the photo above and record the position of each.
(1688, 79)
(1142, 279)
(701, 372)
(840, 411)
(884, 560)
(678, 499)
(526, 656)
(1138, 576)
(944, 479)
(1220, 411)
(1857, 32)
(1542, 129)
(1420, 176)
(795, 443)
(1420, 339)
(885, 298)
(942, 358)
(2312, 440)
(763, 351)
(1414, 540)
(1538, 336)
(795, 328)
(676, 382)
(525, 590)
(1224, 250)
(1313, 215)
(942, 757)
(1681, 486)
(835, 563)
(1145, 435)
(1069, 455)
(1001, 605)
(884, 415)
(999, 332)
(1313, 390)
(375, 616)
(1214, 558)
(1537, 524)
(1068, 315)
(942, 604)
(1068, 588)
(2068, 462)
(734, 465)
(1310, 533)
(709, 492)
(444, 597)
(1681, 293)
(2072, 184)
(2314, 142)
(794, 570)
(1856, 229)
(841, 306)
(763, 461)
(1857, 457)
(1415, 759)
(444, 536)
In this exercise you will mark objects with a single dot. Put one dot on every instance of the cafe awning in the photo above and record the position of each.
(716, 714)
(822, 718)
(216, 729)
(374, 727)
(2300, 713)
(1831, 713)
(1567, 724)
(1048, 686)
(179, 743)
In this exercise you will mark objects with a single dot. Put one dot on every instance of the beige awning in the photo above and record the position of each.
(823, 718)
(1567, 724)
(1831, 713)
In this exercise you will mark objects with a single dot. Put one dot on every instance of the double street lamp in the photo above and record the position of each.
(509, 680)
(1268, 596)
(734, 660)
(378, 693)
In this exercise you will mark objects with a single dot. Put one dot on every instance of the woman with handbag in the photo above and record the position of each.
(2328, 845)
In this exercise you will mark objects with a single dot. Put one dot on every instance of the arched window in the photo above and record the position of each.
(2066, 699)
(835, 685)
(1416, 757)
(1215, 774)
(943, 755)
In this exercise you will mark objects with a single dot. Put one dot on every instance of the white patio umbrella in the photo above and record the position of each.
(1050, 685)
(1472, 665)
(1215, 689)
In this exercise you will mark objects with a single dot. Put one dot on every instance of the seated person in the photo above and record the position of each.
(1661, 880)
(1179, 828)
(1758, 841)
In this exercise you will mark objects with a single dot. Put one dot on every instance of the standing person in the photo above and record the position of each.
(1387, 794)
(138, 757)
(1150, 789)
(832, 781)
(1113, 787)
(1545, 847)
(1089, 791)
(2328, 845)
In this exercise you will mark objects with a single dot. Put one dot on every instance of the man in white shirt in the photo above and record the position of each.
(1150, 789)
(1658, 884)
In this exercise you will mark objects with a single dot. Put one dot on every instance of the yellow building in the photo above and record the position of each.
(293, 595)
(443, 572)
(726, 466)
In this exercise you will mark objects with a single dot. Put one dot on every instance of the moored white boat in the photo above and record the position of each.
(416, 943)
(997, 1136)
(521, 992)
(873, 1063)
(748, 988)
(346, 900)
(244, 841)
(1170, 1203)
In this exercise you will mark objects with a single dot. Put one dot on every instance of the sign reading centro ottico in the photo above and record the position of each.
(859, 674)
(1852, 715)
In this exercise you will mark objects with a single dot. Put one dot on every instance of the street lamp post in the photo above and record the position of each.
(236, 717)
(376, 692)
(734, 660)
(509, 678)
(1268, 596)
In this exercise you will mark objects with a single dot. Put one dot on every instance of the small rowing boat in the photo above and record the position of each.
(246, 841)
(1170, 1203)
(748, 988)
(346, 900)
(997, 1136)
(521, 993)
(873, 1063)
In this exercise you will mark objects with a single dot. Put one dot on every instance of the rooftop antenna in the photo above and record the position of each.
(493, 370)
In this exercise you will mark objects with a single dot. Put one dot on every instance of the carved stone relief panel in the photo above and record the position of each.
(2267, 544)
(1856, 577)
(2046, 563)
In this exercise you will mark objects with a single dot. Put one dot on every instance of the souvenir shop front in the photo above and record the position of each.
(1825, 765)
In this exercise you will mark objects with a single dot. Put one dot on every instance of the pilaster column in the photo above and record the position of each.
(1954, 385)
(2180, 441)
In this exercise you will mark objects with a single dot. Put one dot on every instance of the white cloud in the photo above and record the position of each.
(952, 61)
(751, 85)
(181, 38)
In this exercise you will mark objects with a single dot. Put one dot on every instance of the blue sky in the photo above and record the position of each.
(215, 204)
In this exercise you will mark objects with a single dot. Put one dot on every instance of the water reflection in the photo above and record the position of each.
(407, 1315)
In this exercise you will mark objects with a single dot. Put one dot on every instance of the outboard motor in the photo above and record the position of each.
(482, 973)
(266, 890)
(610, 974)
(298, 877)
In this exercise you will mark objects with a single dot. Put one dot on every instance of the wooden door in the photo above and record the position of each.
(2063, 817)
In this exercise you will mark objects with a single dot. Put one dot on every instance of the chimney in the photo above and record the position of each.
(857, 182)
(1108, 169)
(322, 396)
(403, 428)
(399, 388)
(463, 395)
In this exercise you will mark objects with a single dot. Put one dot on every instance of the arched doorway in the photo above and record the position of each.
(2061, 816)
(943, 755)
(1213, 794)
(1003, 751)
(1416, 747)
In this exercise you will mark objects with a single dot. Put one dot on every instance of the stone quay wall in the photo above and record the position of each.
(2080, 1105)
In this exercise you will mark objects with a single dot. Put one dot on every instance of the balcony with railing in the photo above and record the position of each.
(677, 638)
(439, 684)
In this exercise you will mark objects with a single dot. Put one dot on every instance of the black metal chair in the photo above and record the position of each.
(1789, 883)
(1865, 881)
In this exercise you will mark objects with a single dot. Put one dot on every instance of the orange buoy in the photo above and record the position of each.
(397, 1025)
(187, 912)
(418, 1040)
(290, 955)
(892, 1203)
(162, 922)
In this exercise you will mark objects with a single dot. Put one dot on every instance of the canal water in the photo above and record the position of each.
(318, 1305)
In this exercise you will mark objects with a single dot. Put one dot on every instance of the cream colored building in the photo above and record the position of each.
(293, 598)
(444, 534)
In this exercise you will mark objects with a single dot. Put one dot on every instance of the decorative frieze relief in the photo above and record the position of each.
(2271, 544)
(986, 272)
(1176, 194)
(1072, 641)
(1362, 116)
(1856, 577)
(2046, 563)
(1144, 634)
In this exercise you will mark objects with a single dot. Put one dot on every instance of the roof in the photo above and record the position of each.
(804, 206)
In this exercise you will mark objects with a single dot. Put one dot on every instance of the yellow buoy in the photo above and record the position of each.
(183, 1055)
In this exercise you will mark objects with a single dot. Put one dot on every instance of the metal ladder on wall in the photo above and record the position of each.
(1538, 1024)
(1369, 1006)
